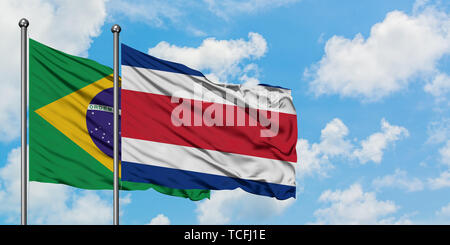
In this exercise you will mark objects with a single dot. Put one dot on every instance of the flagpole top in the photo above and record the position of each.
(24, 23)
(115, 28)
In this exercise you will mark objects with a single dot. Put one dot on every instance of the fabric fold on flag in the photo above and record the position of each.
(181, 130)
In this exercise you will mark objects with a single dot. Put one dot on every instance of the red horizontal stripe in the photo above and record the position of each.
(147, 116)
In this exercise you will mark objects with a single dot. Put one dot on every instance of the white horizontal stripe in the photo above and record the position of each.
(196, 87)
(208, 161)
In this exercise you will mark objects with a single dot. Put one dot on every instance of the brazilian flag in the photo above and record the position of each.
(71, 130)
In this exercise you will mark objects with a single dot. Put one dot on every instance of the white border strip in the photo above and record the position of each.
(191, 87)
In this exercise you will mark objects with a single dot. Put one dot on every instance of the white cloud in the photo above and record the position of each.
(85, 208)
(354, 206)
(160, 219)
(228, 206)
(419, 5)
(50, 203)
(439, 86)
(438, 131)
(311, 160)
(372, 148)
(445, 153)
(195, 31)
(386, 61)
(250, 74)
(332, 138)
(440, 182)
(10, 183)
(227, 8)
(222, 58)
(125, 200)
(444, 211)
(402, 220)
(316, 158)
(398, 180)
(66, 25)
(443, 180)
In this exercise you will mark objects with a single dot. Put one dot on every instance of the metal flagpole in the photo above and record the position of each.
(116, 30)
(23, 24)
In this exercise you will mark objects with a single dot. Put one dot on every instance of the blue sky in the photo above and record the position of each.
(370, 82)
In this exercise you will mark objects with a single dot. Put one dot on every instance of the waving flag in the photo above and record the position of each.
(71, 131)
(181, 130)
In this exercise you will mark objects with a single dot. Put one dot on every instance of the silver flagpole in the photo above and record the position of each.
(116, 30)
(23, 23)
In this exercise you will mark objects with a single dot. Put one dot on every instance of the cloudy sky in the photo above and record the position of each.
(370, 82)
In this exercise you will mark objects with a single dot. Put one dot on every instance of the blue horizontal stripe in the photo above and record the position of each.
(133, 57)
(182, 179)
(273, 86)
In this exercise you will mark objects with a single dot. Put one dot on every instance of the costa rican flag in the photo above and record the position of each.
(180, 130)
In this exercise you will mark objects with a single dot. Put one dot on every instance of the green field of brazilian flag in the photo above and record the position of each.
(69, 112)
